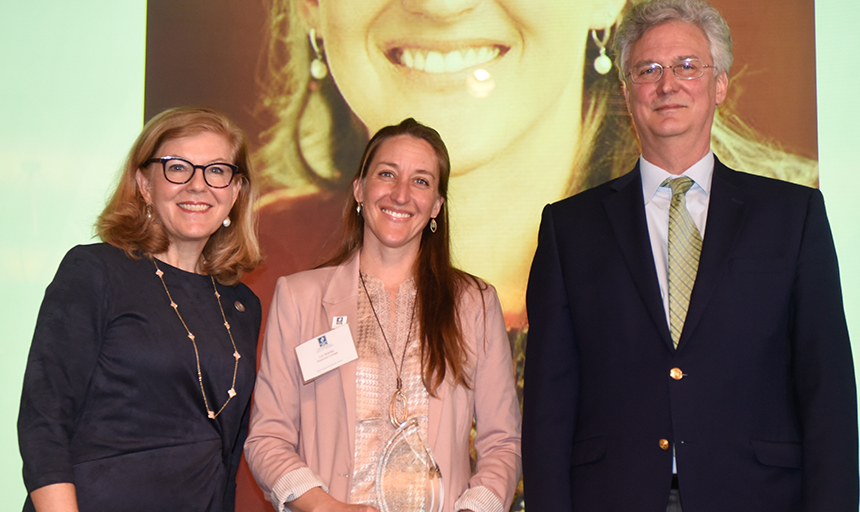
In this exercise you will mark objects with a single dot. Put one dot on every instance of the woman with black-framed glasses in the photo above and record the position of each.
(138, 383)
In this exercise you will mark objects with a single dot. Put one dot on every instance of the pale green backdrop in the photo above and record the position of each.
(71, 103)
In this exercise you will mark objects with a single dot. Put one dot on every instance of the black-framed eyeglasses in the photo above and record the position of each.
(178, 171)
(687, 69)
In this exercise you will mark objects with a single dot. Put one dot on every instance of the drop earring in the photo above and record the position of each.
(319, 69)
(226, 223)
(148, 210)
(432, 225)
(358, 208)
(602, 63)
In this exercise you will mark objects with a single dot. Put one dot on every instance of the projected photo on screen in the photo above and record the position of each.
(519, 90)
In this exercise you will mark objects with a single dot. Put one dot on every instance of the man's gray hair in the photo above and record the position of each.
(649, 14)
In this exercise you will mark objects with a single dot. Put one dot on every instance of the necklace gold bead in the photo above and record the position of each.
(399, 396)
(230, 392)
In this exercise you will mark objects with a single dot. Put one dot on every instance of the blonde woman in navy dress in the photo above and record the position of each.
(138, 383)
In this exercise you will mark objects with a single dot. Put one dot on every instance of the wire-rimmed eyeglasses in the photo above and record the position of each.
(178, 171)
(650, 72)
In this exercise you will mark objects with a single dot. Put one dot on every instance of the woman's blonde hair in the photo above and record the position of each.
(124, 223)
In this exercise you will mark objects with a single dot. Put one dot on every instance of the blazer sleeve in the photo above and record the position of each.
(497, 413)
(551, 379)
(823, 371)
(63, 356)
(272, 447)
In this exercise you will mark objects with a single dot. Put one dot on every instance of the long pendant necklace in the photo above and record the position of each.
(399, 397)
(230, 392)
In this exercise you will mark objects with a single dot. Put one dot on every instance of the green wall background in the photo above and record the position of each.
(71, 104)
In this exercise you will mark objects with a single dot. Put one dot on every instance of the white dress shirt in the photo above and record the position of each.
(657, 201)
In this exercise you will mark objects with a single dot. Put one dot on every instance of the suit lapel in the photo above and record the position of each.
(340, 299)
(726, 209)
(626, 211)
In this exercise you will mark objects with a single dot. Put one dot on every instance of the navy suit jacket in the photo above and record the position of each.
(764, 414)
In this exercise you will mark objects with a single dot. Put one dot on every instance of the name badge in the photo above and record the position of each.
(325, 353)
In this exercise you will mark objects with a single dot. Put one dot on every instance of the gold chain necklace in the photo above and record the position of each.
(230, 392)
(399, 397)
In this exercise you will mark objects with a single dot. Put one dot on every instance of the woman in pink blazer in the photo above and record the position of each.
(389, 430)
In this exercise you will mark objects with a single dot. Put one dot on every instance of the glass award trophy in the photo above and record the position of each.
(408, 478)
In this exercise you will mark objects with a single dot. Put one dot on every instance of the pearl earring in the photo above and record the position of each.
(319, 69)
(226, 223)
(602, 64)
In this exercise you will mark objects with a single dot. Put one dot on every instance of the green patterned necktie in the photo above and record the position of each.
(685, 247)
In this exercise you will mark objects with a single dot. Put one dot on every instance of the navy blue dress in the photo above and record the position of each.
(111, 400)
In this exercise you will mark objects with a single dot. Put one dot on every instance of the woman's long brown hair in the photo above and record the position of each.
(440, 286)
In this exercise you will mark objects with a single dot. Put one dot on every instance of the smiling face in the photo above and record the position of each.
(673, 110)
(407, 58)
(400, 193)
(193, 211)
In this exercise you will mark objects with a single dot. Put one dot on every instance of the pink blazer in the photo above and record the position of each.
(296, 425)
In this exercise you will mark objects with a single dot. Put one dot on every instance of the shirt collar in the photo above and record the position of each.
(652, 176)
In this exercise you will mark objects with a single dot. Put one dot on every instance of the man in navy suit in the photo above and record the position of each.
(687, 342)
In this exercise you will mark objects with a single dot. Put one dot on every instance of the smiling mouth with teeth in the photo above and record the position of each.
(396, 214)
(194, 207)
(432, 61)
